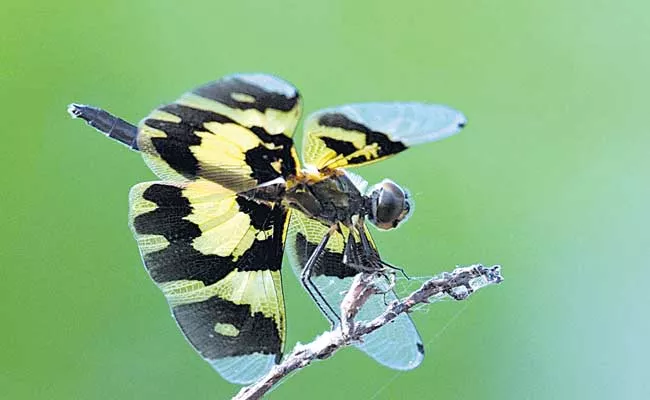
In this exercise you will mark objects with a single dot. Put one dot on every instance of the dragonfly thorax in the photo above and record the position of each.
(334, 199)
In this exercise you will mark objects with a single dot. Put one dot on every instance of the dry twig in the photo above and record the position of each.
(458, 284)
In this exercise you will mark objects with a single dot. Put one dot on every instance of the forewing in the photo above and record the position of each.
(216, 256)
(396, 345)
(235, 131)
(358, 134)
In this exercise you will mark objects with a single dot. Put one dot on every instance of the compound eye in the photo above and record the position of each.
(391, 206)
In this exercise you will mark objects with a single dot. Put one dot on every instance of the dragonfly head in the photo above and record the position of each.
(389, 205)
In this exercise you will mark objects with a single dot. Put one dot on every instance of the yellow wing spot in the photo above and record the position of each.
(205, 190)
(225, 231)
(164, 116)
(370, 151)
(230, 154)
(263, 235)
(140, 205)
(244, 244)
(247, 240)
(274, 121)
(314, 232)
(239, 137)
(181, 292)
(315, 146)
(151, 156)
(337, 243)
(357, 139)
(221, 239)
(212, 204)
(243, 97)
(151, 243)
(221, 154)
(331, 160)
(150, 132)
(226, 329)
(277, 166)
(256, 289)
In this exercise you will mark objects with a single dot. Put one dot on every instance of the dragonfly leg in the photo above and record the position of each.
(373, 255)
(395, 268)
(305, 278)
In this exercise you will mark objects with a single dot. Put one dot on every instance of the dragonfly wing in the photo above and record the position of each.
(216, 257)
(235, 131)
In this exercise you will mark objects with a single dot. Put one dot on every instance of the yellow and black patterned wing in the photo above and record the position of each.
(358, 134)
(235, 131)
(397, 345)
(216, 256)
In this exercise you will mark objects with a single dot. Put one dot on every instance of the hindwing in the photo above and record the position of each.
(397, 345)
(216, 256)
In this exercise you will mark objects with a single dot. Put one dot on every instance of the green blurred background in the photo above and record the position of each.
(549, 179)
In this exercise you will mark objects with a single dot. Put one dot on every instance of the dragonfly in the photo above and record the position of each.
(233, 196)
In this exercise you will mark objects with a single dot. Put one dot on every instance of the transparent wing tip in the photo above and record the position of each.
(457, 124)
(416, 360)
(244, 370)
(461, 121)
(409, 359)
